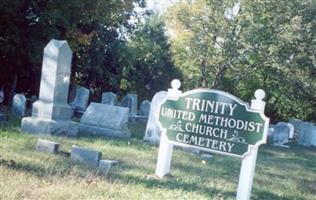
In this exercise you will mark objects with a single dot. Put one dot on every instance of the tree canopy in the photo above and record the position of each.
(94, 29)
(235, 46)
(240, 47)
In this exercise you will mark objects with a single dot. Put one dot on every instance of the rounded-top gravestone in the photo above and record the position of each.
(81, 99)
(130, 101)
(144, 108)
(109, 98)
(306, 134)
(281, 133)
(19, 105)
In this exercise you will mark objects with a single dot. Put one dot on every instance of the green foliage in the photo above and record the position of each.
(151, 68)
(268, 44)
(94, 30)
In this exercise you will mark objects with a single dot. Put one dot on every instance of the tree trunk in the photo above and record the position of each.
(12, 89)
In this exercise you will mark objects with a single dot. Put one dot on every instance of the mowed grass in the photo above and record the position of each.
(27, 174)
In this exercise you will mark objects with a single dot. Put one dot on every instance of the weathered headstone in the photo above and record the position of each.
(51, 113)
(109, 98)
(3, 116)
(85, 156)
(33, 98)
(153, 132)
(19, 105)
(106, 165)
(302, 131)
(297, 127)
(81, 100)
(305, 134)
(130, 101)
(47, 146)
(313, 141)
(271, 131)
(1, 95)
(144, 108)
(291, 133)
(281, 134)
(106, 120)
(206, 156)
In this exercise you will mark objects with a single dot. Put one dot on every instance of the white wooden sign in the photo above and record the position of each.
(213, 121)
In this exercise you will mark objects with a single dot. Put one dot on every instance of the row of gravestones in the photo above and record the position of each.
(303, 132)
(52, 114)
(81, 100)
(279, 134)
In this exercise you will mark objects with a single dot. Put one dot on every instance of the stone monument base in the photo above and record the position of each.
(102, 131)
(46, 126)
(151, 140)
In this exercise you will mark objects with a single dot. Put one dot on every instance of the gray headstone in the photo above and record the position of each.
(109, 98)
(103, 119)
(106, 165)
(297, 126)
(291, 133)
(81, 99)
(144, 108)
(305, 133)
(86, 156)
(51, 113)
(1, 95)
(271, 130)
(47, 146)
(34, 98)
(206, 156)
(19, 105)
(313, 141)
(152, 133)
(130, 101)
(281, 133)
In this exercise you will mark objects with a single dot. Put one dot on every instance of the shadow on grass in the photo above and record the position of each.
(309, 185)
(267, 195)
(213, 169)
(170, 183)
(27, 168)
(149, 180)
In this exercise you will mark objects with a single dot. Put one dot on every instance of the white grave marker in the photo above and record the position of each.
(51, 113)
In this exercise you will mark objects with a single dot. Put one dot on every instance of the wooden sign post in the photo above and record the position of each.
(214, 121)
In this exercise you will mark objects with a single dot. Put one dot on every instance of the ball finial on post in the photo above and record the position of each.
(260, 94)
(175, 84)
(258, 103)
(174, 91)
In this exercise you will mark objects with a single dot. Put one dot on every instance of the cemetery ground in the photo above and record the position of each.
(26, 174)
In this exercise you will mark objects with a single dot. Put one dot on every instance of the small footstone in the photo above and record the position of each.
(106, 165)
(86, 156)
(206, 156)
(281, 145)
(47, 146)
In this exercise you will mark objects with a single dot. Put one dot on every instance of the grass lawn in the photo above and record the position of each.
(27, 174)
